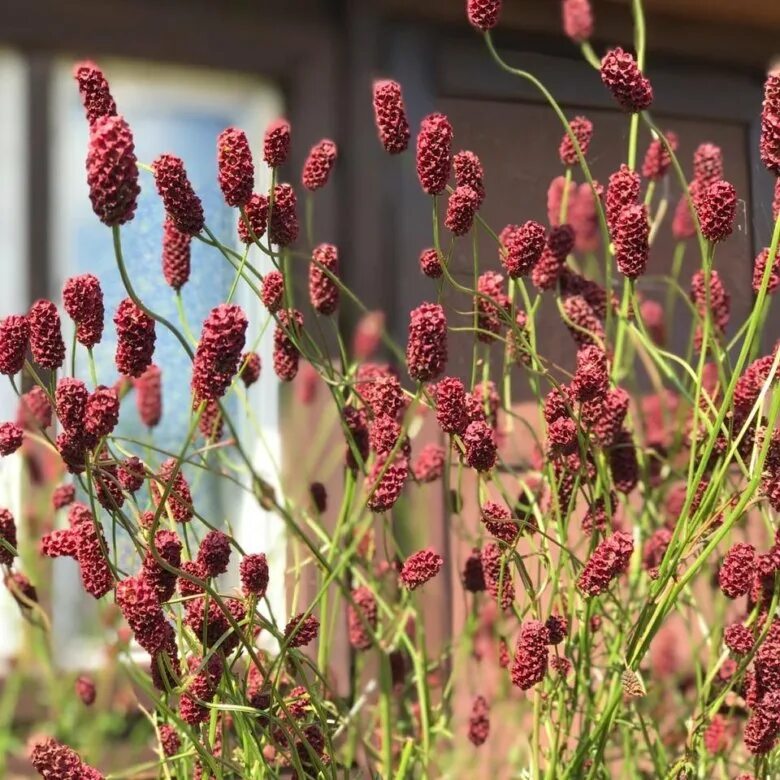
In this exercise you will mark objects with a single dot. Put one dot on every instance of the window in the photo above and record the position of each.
(177, 110)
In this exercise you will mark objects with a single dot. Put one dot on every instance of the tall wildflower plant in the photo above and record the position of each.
(632, 515)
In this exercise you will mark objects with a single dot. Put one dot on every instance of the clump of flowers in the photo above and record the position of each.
(486, 536)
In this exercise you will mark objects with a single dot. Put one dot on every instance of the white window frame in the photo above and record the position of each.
(14, 79)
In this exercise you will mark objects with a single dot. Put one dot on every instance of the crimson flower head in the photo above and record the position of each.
(622, 77)
(738, 570)
(181, 203)
(426, 349)
(483, 14)
(131, 474)
(683, 225)
(368, 334)
(319, 164)
(461, 209)
(658, 158)
(608, 560)
(582, 128)
(489, 302)
(85, 689)
(7, 534)
(323, 291)
(253, 570)
(430, 263)
(451, 412)
(556, 404)
(385, 482)
(112, 170)
(498, 521)
(582, 320)
(218, 351)
(286, 355)
(717, 208)
(169, 739)
(276, 143)
(272, 294)
(560, 242)
(256, 213)
(102, 411)
(283, 228)
(11, 437)
(434, 153)
(469, 173)
(429, 465)
(479, 721)
(319, 497)
(707, 164)
(577, 20)
(135, 339)
(473, 575)
(148, 396)
(531, 655)
(46, 342)
(176, 255)
(770, 124)
(94, 90)
(390, 116)
(89, 542)
(480, 442)
(521, 247)
(214, 553)
(623, 464)
(591, 379)
(562, 436)
(179, 501)
(557, 628)
(63, 495)
(738, 639)
(302, 630)
(420, 567)
(71, 398)
(622, 191)
(55, 761)
(139, 602)
(14, 335)
(83, 301)
(631, 237)
(236, 171)
(362, 618)
(718, 301)
(250, 368)
(759, 268)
